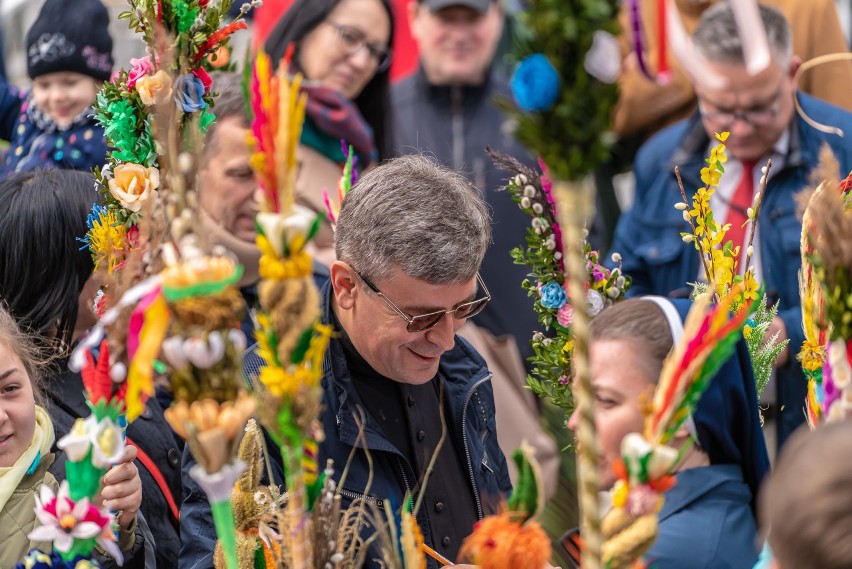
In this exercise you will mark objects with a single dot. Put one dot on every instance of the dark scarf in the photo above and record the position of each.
(331, 117)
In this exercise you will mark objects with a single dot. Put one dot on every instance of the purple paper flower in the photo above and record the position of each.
(189, 93)
(553, 296)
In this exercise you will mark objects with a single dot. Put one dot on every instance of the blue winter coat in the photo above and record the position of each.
(648, 236)
(470, 420)
(36, 142)
(706, 522)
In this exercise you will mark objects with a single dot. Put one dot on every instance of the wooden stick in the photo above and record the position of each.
(575, 206)
(436, 556)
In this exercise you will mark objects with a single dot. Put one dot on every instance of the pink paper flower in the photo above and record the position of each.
(565, 315)
(63, 520)
(141, 67)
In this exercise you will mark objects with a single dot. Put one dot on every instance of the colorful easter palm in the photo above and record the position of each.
(646, 470)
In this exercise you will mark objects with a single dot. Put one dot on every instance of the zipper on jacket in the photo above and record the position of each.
(467, 447)
(377, 502)
(457, 127)
(404, 476)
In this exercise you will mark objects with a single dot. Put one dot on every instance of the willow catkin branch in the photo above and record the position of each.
(574, 201)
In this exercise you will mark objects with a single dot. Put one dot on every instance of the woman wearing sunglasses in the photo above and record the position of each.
(343, 49)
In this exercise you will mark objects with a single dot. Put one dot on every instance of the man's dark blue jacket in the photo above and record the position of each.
(648, 236)
(470, 419)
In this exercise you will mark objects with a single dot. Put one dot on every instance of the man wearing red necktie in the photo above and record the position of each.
(758, 111)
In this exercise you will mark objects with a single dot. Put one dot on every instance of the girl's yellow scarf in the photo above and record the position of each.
(41, 444)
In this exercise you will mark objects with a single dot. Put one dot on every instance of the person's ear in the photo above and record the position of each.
(344, 284)
(682, 434)
(793, 67)
(414, 21)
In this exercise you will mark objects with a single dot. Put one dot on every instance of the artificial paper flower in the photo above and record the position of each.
(140, 68)
(553, 296)
(189, 93)
(103, 437)
(289, 232)
(154, 89)
(62, 521)
(535, 83)
(133, 184)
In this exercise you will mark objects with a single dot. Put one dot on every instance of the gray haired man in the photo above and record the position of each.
(411, 236)
(410, 240)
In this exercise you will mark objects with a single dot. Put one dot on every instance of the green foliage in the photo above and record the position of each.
(574, 135)
(762, 351)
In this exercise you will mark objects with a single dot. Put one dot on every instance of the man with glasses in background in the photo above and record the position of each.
(758, 111)
(410, 239)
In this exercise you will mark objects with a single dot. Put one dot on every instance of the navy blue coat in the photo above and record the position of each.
(471, 420)
(706, 522)
(35, 142)
(648, 236)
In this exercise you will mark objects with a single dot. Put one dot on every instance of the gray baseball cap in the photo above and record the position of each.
(478, 5)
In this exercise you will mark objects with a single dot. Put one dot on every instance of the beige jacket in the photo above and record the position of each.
(17, 518)
(645, 107)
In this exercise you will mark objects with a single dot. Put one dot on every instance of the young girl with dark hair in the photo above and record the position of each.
(47, 286)
(343, 49)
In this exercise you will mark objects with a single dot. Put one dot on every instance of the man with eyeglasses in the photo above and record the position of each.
(758, 111)
(410, 239)
(447, 109)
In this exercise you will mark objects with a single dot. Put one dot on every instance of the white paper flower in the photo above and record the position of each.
(280, 230)
(107, 443)
(594, 302)
(104, 438)
(204, 355)
(173, 352)
(78, 440)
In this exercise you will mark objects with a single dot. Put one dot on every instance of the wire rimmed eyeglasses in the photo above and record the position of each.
(423, 322)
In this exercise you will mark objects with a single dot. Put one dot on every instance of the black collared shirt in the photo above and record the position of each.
(410, 418)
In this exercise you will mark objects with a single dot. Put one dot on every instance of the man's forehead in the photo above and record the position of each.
(738, 86)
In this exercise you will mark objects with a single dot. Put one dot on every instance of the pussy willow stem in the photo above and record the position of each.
(575, 204)
(757, 203)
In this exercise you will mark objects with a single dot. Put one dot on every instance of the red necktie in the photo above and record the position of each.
(740, 202)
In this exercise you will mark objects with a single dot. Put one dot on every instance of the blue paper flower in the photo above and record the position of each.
(36, 559)
(535, 83)
(553, 296)
(189, 93)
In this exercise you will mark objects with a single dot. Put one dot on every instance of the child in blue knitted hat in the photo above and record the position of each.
(69, 55)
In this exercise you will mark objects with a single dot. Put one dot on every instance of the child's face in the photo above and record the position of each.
(64, 95)
(17, 408)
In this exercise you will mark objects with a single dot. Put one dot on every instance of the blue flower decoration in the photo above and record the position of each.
(36, 559)
(189, 93)
(553, 296)
(535, 83)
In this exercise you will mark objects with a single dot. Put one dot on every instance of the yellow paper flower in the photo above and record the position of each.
(107, 240)
(154, 89)
(133, 184)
